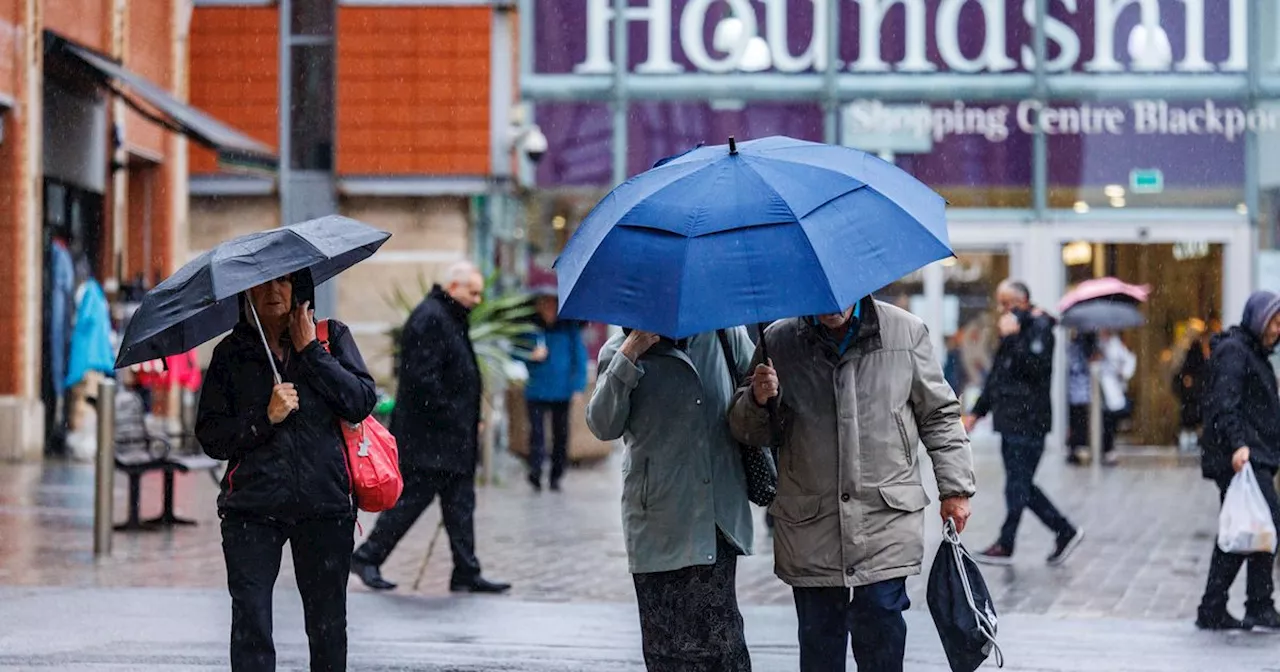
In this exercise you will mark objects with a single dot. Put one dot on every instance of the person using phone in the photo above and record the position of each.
(287, 478)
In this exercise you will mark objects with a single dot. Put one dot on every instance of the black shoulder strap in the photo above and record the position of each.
(731, 364)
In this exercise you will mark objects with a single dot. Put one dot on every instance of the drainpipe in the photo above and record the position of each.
(119, 156)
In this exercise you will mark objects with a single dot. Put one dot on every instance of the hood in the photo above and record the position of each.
(1258, 311)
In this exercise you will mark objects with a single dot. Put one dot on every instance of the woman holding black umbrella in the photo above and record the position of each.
(271, 404)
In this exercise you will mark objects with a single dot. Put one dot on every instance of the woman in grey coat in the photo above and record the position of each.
(685, 512)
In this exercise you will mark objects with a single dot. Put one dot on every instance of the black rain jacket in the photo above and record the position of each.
(297, 469)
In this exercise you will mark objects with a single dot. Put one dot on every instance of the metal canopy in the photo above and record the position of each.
(233, 147)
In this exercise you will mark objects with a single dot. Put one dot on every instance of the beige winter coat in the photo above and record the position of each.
(850, 505)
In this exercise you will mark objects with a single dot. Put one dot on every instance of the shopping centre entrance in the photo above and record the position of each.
(1199, 269)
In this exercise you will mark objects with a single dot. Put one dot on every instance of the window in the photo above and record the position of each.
(311, 84)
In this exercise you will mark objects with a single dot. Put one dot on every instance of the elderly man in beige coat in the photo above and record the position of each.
(856, 392)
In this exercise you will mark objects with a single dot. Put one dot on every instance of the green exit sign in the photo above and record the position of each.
(1146, 181)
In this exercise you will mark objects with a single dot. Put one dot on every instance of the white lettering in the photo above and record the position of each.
(1193, 23)
(1105, 15)
(1235, 123)
(1025, 108)
(1146, 117)
(1055, 31)
(994, 57)
(657, 16)
(871, 19)
(775, 24)
(692, 22)
(1238, 57)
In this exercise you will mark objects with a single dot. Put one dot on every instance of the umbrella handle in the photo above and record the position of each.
(271, 358)
(775, 424)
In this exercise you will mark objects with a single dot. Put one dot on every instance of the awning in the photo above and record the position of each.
(234, 148)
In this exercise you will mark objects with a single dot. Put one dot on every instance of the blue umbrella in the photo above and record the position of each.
(739, 234)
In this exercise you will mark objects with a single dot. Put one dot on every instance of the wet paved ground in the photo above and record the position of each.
(1129, 593)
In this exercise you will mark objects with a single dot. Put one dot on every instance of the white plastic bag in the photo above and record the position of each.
(1245, 524)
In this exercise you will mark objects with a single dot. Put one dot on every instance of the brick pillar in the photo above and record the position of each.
(21, 411)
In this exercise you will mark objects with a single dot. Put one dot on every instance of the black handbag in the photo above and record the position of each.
(961, 606)
(762, 472)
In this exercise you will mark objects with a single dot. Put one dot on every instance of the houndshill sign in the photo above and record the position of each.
(996, 122)
(769, 34)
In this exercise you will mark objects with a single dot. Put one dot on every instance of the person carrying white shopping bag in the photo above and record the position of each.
(1245, 525)
(1241, 456)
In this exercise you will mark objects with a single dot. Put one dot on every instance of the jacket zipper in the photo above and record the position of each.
(902, 433)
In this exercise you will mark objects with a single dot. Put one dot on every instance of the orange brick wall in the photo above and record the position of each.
(234, 73)
(85, 21)
(14, 273)
(9, 36)
(148, 46)
(413, 91)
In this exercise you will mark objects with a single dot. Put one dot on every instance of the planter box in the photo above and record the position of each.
(584, 448)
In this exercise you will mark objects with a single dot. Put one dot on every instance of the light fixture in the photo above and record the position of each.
(1113, 191)
(1149, 48)
(1080, 207)
(1117, 202)
(755, 57)
(949, 262)
(1242, 209)
(1078, 253)
(559, 222)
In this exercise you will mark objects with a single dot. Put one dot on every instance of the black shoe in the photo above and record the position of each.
(536, 483)
(555, 486)
(1268, 621)
(479, 585)
(995, 555)
(1220, 622)
(370, 575)
(1065, 547)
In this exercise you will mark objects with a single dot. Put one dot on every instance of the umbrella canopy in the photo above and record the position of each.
(739, 234)
(1098, 288)
(1098, 314)
(199, 302)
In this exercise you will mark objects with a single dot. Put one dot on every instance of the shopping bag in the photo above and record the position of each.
(961, 606)
(1245, 524)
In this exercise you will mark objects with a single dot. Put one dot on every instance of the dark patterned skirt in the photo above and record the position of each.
(689, 618)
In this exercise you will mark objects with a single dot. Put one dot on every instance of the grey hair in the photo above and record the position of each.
(460, 271)
(1017, 287)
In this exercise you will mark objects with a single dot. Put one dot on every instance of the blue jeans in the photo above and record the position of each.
(1021, 458)
(871, 623)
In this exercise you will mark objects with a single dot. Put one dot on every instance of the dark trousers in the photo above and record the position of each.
(1021, 458)
(1078, 426)
(1223, 567)
(689, 618)
(457, 507)
(870, 623)
(322, 562)
(538, 412)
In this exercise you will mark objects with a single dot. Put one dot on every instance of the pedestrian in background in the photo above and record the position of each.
(436, 422)
(685, 512)
(857, 393)
(288, 478)
(1117, 366)
(1017, 394)
(1191, 367)
(557, 373)
(1080, 351)
(1242, 426)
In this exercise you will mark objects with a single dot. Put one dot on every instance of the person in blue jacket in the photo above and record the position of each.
(557, 371)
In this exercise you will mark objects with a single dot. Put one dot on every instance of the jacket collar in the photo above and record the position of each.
(457, 310)
(868, 339)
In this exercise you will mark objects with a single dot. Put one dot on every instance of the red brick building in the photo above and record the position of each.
(90, 97)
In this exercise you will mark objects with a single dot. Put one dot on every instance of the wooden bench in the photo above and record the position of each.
(139, 451)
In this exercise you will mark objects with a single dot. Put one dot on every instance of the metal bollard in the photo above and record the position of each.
(1095, 417)
(104, 476)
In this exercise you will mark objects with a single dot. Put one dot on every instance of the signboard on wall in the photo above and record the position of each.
(906, 36)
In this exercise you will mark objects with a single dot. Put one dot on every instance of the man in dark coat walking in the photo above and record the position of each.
(1017, 393)
(436, 423)
(1242, 426)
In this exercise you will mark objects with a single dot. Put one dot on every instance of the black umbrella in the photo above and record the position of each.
(961, 606)
(200, 302)
(1105, 313)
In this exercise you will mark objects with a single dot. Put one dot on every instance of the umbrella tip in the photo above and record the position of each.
(733, 146)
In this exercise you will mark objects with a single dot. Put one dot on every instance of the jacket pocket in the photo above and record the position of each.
(908, 450)
(795, 509)
(644, 486)
(908, 497)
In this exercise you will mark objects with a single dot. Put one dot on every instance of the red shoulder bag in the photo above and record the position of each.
(373, 460)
